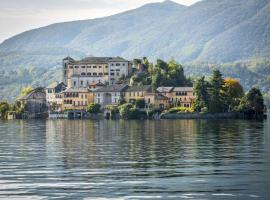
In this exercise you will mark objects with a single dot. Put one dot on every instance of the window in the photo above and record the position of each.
(117, 64)
(76, 67)
(94, 66)
(81, 83)
(106, 66)
(70, 67)
(100, 74)
(105, 74)
(117, 74)
(94, 74)
(82, 96)
(82, 66)
(74, 83)
(118, 70)
(100, 66)
(112, 64)
(112, 74)
(88, 66)
(124, 64)
(83, 74)
(89, 74)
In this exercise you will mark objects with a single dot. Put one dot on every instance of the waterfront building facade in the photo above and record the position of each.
(76, 98)
(106, 70)
(34, 103)
(179, 96)
(53, 95)
(110, 95)
(134, 93)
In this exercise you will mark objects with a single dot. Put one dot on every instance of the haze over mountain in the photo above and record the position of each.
(210, 30)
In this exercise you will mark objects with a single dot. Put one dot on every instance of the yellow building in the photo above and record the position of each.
(157, 100)
(179, 96)
(76, 98)
(134, 93)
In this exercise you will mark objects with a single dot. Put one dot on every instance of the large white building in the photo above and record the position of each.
(81, 73)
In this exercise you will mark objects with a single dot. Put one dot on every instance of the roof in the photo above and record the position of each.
(183, 89)
(98, 60)
(68, 58)
(158, 96)
(54, 85)
(78, 90)
(164, 89)
(28, 96)
(139, 88)
(112, 88)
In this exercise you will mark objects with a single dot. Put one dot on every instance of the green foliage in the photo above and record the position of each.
(26, 90)
(217, 95)
(179, 110)
(140, 103)
(216, 101)
(252, 103)
(4, 107)
(202, 96)
(129, 111)
(93, 108)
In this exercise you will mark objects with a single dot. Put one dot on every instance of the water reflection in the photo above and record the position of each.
(196, 159)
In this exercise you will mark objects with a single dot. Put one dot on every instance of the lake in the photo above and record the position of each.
(167, 159)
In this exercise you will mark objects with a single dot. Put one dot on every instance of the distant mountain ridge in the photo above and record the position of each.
(209, 31)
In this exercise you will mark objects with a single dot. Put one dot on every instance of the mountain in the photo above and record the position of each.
(209, 31)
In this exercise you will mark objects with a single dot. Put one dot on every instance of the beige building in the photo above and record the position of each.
(179, 96)
(157, 100)
(79, 74)
(134, 93)
(76, 98)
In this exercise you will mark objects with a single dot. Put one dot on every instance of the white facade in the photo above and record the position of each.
(107, 98)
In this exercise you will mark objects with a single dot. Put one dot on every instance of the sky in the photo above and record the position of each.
(17, 16)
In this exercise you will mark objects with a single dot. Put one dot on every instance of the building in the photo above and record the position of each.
(134, 93)
(53, 95)
(157, 100)
(179, 96)
(34, 103)
(76, 98)
(110, 95)
(81, 73)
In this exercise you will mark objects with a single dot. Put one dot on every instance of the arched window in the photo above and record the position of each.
(83, 74)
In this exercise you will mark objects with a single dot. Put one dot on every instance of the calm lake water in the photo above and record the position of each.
(178, 159)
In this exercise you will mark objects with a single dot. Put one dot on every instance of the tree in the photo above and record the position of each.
(26, 91)
(140, 103)
(202, 96)
(4, 107)
(233, 92)
(216, 103)
(93, 108)
(176, 74)
(252, 104)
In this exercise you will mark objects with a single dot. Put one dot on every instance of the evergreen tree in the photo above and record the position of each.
(202, 96)
(216, 103)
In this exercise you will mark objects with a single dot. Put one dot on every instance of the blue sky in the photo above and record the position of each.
(17, 16)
